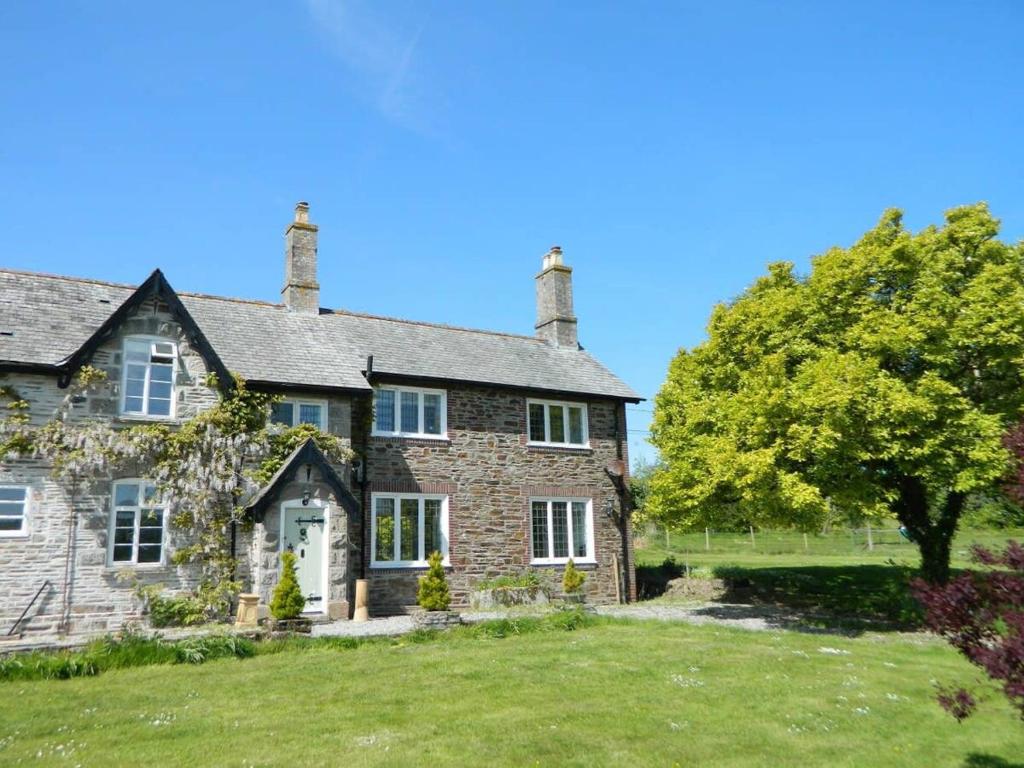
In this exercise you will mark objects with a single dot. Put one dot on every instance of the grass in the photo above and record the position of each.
(510, 693)
(834, 581)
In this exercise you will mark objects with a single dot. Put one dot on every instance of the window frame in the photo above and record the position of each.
(137, 509)
(398, 389)
(297, 403)
(550, 559)
(565, 405)
(420, 529)
(22, 532)
(151, 340)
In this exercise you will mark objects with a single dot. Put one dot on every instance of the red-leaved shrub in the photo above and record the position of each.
(981, 614)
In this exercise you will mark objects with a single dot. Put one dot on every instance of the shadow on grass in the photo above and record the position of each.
(975, 760)
(851, 598)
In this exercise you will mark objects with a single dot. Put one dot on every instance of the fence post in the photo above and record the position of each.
(805, 542)
(667, 543)
(707, 540)
(753, 541)
(871, 541)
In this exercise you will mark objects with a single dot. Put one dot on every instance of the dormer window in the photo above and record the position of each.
(148, 382)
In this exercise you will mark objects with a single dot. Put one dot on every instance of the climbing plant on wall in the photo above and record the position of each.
(205, 468)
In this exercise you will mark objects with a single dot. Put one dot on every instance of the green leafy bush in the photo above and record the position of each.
(573, 578)
(524, 580)
(433, 593)
(288, 600)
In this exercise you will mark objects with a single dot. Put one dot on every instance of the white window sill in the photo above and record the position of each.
(570, 446)
(144, 417)
(14, 535)
(563, 561)
(119, 564)
(411, 436)
(406, 564)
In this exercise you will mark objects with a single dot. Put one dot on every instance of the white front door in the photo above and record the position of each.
(305, 535)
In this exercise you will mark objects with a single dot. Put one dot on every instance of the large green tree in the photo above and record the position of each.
(882, 382)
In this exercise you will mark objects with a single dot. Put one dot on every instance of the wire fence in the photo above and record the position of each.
(880, 541)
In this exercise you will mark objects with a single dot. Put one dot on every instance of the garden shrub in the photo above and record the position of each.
(433, 592)
(288, 600)
(573, 578)
(525, 580)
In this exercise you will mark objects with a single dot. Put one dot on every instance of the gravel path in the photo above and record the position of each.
(724, 614)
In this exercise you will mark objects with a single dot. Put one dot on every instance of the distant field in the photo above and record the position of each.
(790, 547)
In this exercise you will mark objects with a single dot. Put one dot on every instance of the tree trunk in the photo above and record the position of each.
(934, 537)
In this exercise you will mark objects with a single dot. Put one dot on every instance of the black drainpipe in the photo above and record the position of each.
(624, 498)
(365, 484)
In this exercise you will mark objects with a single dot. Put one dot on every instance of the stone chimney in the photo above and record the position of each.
(301, 291)
(556, 323)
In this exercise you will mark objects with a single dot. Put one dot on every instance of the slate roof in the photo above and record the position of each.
(44, 319)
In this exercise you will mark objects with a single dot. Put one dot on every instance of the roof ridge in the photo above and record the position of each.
(428, 324)
(259, 302)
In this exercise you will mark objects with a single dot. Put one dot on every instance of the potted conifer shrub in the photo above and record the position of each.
(572, 583)
(434, 598)
(288, 601)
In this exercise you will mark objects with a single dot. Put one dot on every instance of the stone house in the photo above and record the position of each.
(503, 452)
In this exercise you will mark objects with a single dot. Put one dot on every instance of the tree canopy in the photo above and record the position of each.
(883, 381)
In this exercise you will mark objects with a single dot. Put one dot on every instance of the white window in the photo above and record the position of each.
(410, 412)
(291, 413)
(13, 510)
(555, 423)
(137, 524)
(560, 529)
(407, 528)
(147, 384)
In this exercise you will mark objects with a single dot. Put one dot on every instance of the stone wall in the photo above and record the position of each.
(67, 538)
(489, 474)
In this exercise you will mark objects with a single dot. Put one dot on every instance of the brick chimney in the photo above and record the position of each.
(556, 323)
(301, 291)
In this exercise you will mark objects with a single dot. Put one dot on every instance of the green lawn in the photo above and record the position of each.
(614, 693)
(835, 580)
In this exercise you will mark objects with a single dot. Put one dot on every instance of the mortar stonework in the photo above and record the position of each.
(489, 474)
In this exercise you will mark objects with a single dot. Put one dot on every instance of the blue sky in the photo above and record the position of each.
(671, 149)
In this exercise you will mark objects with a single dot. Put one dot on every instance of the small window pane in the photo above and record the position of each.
(579, 529)
(122, 553)
(556, 415)
(160, 389)
(540, 528)
(136, 352)
(163, 348)
(126, 495)
(149, 553)
(124, 535)
(309, 414)
(408, 539)
(575, 425)
(12, 508)
(125, 518)
(160, 373)
(560, 529)
(135, 388)
(282, 413)
(536, 422)
(151, 517)
(384, 548)
(133, 404)
(10, 523)
(432, 527)
(137, 372)
(12, 494)
(150, 535)
(159, 407)
(432, 414)
(385, 410)
(410, 412)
